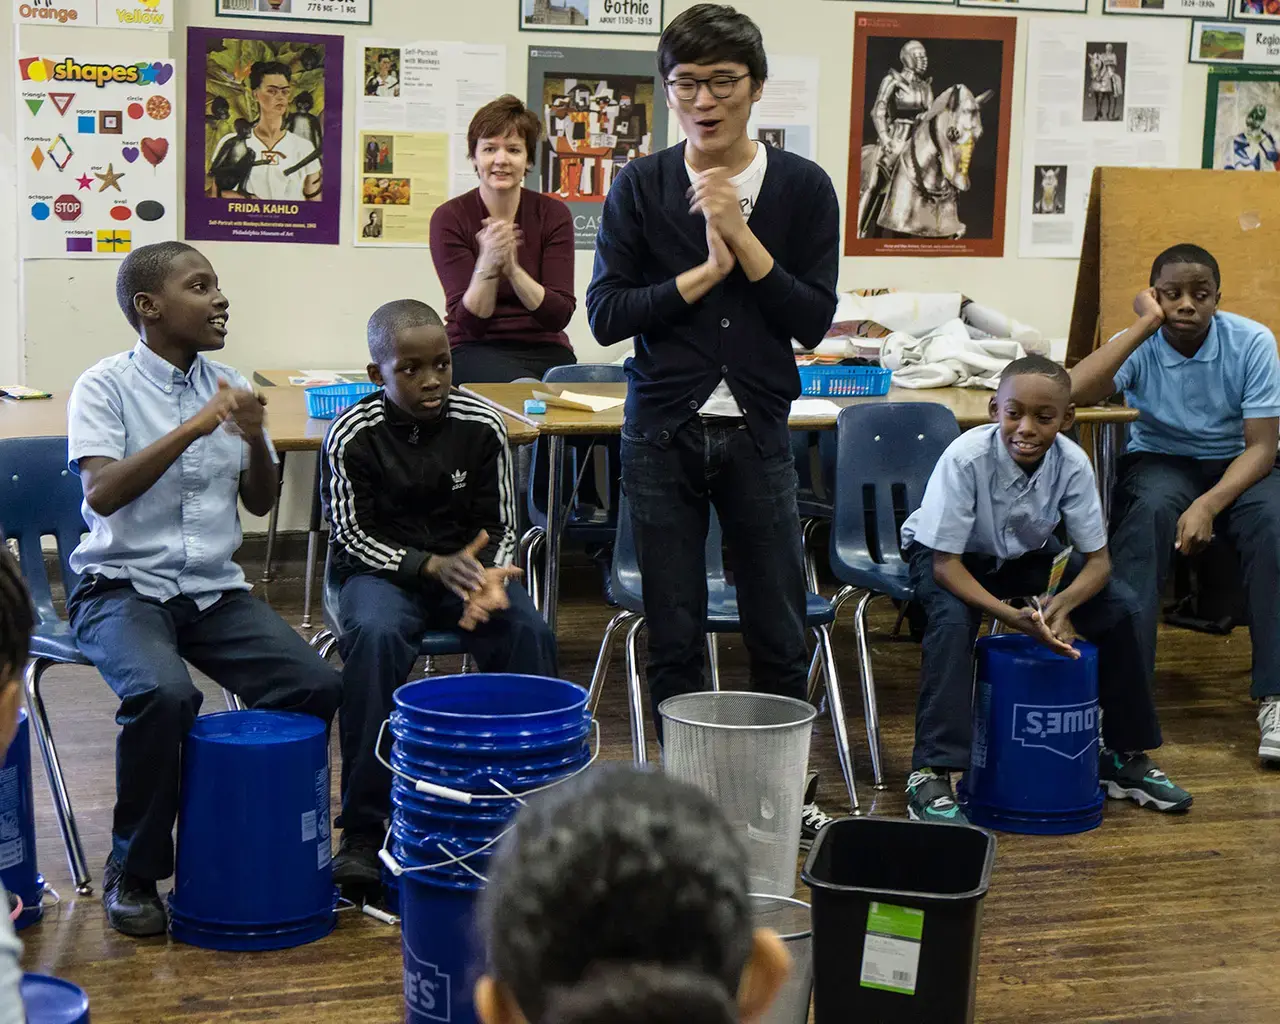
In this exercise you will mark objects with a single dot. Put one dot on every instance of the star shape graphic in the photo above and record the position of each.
(109, 180)
(84, 181)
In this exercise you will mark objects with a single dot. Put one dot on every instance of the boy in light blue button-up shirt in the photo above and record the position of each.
(1202, 456)
(985, 533)
(166, 442)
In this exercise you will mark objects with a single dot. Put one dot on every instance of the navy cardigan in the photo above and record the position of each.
(740, 330)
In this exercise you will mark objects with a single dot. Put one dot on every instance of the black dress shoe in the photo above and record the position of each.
(356, 867)
(133, 905)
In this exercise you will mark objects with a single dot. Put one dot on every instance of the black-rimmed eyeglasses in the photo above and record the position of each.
(720, 86)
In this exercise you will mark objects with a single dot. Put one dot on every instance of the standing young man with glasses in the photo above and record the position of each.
(714, 254)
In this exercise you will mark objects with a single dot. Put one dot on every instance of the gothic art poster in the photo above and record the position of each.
(929, 135)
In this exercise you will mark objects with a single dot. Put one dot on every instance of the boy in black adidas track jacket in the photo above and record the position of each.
(418, 489)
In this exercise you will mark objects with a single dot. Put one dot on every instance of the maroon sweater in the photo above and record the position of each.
(547, 255)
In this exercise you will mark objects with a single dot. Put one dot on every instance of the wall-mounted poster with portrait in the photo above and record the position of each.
(600, 109)
(264, 136)
(1242, 120)
(929, 138)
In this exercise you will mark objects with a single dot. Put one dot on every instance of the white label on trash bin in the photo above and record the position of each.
(891, 953)
(308, 826)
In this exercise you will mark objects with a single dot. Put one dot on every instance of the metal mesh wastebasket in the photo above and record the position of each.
(791, 919)
(749, 752)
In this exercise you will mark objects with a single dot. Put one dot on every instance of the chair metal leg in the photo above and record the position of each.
(835, 703)
(309, 577)
(635, 694)
(429, 665)
(57, 782)
(234, 703)
(536, 541)
(272, 520)
(713, 657)
(468, 665)
(810, 559)
(604, 657)
(869, 709)
(320, 639)
(327, 648)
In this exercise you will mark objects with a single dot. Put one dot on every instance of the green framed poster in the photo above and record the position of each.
(333, 12)
(1235, 42)
(1242, 120)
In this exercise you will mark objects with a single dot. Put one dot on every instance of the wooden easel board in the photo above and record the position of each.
(1136, 213)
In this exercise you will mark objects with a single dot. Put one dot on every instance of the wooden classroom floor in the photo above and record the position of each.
(1149, 918)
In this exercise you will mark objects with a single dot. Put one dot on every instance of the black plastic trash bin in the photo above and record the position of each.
(897, 914)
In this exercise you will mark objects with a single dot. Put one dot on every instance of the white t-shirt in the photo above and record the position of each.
(268, 180)
(748, 184)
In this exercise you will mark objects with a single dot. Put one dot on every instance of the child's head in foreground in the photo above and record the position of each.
(409, 357)
(621, 898)
(169, 294)
(1188, 286)
(1032, 406)
(17, 620)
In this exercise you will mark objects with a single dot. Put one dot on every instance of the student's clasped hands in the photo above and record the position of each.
(241, 410)
(1054, 630)
(483, 591)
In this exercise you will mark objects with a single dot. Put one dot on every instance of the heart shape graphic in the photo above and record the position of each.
(155, 150)
(130, 153)
(164, 72)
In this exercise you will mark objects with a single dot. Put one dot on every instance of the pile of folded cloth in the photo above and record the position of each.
(928, 340)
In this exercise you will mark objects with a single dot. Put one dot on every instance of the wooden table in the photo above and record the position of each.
(969, 405)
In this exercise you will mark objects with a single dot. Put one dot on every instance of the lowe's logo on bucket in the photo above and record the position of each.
(1068, 730)
(426, 988)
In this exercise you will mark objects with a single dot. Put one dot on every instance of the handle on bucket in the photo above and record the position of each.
(462, 797)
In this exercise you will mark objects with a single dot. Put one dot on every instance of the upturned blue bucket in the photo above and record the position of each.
(49, 1000)
(254, 854)
(1036, 734)
(466, 733)
(18, 869)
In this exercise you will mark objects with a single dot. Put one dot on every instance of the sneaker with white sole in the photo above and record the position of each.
(1135, 777)
(931, 798)
(1269, 724)
(813, 819)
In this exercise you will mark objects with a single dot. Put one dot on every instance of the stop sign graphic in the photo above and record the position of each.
(67, 207)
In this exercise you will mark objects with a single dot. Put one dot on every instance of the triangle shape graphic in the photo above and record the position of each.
(62, 100)
(35, 105)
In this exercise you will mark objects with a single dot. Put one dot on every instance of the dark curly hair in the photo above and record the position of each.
(620, 897)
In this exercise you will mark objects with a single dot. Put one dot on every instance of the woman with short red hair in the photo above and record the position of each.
(505, 257)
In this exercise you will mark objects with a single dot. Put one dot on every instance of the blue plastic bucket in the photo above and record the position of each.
(49, 1000)
(439, 943)
(1036, 731)
(18, 869)
(501, 707)
(478, 778)
(463, 749)
(254, 854)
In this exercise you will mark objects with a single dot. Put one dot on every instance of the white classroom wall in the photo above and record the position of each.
(306, 305)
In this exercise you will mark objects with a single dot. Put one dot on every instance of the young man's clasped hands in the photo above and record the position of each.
(730, 239)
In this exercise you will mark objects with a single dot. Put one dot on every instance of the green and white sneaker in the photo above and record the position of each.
(1135, 777)
(930, 798)
(1269, 724)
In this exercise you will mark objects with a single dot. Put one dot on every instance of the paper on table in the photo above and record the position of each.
(581, 402)
(814, 407)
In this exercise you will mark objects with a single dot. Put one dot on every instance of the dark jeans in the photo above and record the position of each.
(1109, 620)
(138, 644)
(670, 491)
(382, 627)
(499, 362)
(1152, 493)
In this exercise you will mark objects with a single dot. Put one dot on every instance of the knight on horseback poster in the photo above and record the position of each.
(929, 135)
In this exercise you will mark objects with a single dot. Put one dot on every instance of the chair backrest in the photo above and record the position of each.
(579, 447)
(40, 497)
(627, 584)
(884, 456)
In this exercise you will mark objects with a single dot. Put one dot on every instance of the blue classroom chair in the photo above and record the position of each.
(722, 617)
(588, 522)
(40, 497)
(885, 454)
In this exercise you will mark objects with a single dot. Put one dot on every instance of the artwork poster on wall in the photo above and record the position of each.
(1068, 6)
(787, 115)
(417, 100)
(1235, 42)
(615, 17)
(1242, 120)
(1099, 94)
(264, 136)
(600, 109)
(154, 15)
(1169, 8)
(95, 155)
(349, 12)
(1256, 10)
(929, 135)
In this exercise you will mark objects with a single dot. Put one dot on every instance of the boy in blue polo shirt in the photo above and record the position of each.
(1202, 455)
(985, 532)
(166, 442)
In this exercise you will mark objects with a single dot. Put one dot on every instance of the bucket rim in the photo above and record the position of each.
(668, 715)
(454, 716)
(789, 936)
